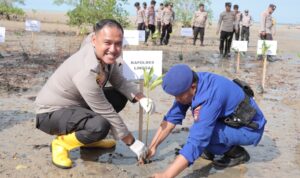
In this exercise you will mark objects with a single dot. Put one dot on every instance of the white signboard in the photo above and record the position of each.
(2, 34)
(271, 51)
(186, 32)
(241, 46)
(131, 37)
(136, 61)
(32, 25)
(142, 35)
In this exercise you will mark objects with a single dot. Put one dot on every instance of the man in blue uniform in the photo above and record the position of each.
(225, 117)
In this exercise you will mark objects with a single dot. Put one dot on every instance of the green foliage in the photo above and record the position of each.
(265, 48)
(88, 12)
(149, 83)
(10, 3)
(184, 10)
(10, 10)
(298, 55)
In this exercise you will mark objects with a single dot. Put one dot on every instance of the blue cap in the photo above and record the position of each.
(178, 79)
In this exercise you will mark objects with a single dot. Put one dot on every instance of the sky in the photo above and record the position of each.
(287, 10)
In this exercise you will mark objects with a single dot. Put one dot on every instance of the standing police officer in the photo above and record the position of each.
(166, 22)
(246, 22)
(225, 117)
(266, 25)
(226, 21)
(140, 17)
(198, 24)
(150, 20)
(237, 22)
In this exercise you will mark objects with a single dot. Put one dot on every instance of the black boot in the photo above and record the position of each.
(235, 156)
(207, 155)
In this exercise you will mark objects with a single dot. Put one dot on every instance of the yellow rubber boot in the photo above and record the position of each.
(105, 143)
(60, 147)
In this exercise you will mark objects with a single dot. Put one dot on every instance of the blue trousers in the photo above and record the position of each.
(225, 137)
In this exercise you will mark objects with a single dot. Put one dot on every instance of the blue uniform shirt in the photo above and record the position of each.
(218, 97)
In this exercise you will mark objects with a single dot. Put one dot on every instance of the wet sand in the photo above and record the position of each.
(24, 150)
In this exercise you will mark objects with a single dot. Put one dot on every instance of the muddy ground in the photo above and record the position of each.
(25, 65)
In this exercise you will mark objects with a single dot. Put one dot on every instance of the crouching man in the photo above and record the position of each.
(75, 105)
(225, 117)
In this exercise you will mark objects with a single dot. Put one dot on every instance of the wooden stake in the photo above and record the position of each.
(32, 40)
(141, 113)
(238, 62)
(264, 73)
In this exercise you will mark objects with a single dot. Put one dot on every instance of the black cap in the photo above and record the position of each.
(272, 6)
(228, 4)
(235, 6)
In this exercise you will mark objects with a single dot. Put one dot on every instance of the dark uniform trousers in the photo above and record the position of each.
(150, 29)
(245, 33)
(237, 33)
(159, 26)
(225, 37)
(267, 36)
(198, 30)
(141, 26)
(88, 126)
(165, 36)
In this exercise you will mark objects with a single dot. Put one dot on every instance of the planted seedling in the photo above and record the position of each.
(150, 84)
(265, 49)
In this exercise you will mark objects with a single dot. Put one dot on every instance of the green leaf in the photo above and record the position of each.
(156, 82)
(151, 74)
(146, 78)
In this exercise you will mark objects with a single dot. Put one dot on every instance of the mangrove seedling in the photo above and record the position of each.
(150, 84)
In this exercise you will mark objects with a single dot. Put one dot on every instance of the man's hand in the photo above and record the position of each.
(151, 153)
(148, 105)
(140, 149)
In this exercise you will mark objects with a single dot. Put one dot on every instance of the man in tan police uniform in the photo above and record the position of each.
(74, 105)
(267, 26)
(225, 24)
(198, 24)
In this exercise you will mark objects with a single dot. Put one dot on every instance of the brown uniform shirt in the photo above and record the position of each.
(266, 22)
(199, 19)
(150, 16)
(140, 16)
(167, 16)
(226, 21)
(246, 20)
(158, 14)
(237, 20)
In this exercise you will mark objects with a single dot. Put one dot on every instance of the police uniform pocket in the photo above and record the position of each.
(77, 119)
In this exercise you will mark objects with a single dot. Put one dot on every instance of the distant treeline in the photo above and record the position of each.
(11, 13)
